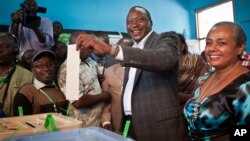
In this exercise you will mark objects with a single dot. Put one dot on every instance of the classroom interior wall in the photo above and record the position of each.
(110, 15)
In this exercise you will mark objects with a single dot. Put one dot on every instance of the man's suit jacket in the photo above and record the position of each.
(155, 102)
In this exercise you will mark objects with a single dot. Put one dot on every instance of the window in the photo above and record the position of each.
(206, 18)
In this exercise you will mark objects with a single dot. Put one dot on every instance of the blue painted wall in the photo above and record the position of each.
(107, 15)
(242, 16)
(110, 15)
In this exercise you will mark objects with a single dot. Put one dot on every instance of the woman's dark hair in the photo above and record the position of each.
(183, 42)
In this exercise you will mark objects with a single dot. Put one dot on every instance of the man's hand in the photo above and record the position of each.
(16, 16)
(94, 43)
(89, 100)
(84, 100)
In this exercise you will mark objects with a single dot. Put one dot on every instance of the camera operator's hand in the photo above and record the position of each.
(16, 16)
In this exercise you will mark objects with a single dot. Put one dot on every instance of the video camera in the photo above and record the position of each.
(29, 19)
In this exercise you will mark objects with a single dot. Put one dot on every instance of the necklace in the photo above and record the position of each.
(206, 90)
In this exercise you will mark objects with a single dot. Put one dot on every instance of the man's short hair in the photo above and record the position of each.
(146, 11)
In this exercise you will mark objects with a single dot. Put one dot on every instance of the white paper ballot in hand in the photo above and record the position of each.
(72, 76)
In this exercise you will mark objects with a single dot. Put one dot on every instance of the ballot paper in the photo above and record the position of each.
(72, 76)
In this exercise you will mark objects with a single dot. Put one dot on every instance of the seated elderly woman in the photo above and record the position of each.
(221, 99)
(41, 96)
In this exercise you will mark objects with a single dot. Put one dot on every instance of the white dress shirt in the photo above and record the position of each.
(127, 97)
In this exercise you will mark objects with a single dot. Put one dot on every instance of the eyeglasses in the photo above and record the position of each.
(42, 67)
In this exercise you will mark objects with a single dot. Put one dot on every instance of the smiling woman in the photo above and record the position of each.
(222, 98)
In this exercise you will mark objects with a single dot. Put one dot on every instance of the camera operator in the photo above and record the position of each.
(32, 31)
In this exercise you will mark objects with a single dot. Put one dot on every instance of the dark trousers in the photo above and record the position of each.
(131, 131)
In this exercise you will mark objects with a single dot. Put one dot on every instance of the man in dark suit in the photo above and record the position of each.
(150, 92)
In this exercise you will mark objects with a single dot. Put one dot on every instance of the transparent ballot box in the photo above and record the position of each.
(82, 134)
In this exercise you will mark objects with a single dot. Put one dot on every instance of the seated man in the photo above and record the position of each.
(88, 107)
(12, 76)
(41, 96)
